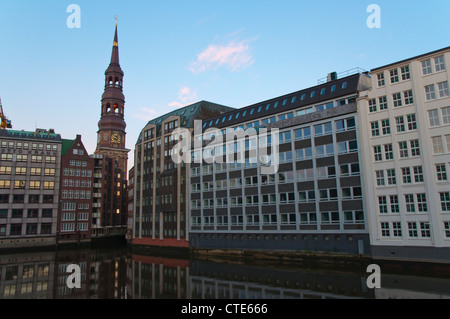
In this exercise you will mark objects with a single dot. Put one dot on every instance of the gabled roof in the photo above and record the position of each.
(66, 145)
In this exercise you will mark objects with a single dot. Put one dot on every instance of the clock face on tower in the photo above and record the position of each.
(116, 138)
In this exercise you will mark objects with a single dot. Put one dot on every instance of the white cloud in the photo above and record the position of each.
(235, 55)
(146, 114)
(185, 96)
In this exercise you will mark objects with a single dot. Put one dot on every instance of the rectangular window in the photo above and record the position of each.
(403, 147)
(441, 171)
(400, 124)
(430, 92)
(433, 116)
(382, 205)
(394, 76)
(443, 89)
(375, 129)
(408, 95)
(395, 208)
(410, 204)
(385, 231)
(415, 147)
(381, 81)
(406, 173)
(446, 115)
(386, 127)
(383, 103)
(439, 63)
(388, 152)
(372, 105)
(397, 97)
(391, 177)
(447, 229)
(405, 73)
(426, 67)
(422, 203)
(412, 123)
(438, 147)
(418, 174)
(380, 178)
(397, 229)
(445, 201)
(302, 134)
(378, 154)
(412, 230)
(425, 230)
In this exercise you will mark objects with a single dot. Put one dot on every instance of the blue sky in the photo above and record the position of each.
(175, 52)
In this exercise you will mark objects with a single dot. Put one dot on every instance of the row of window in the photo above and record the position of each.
(435, 116)
(82, 216)
(77, 172)
(70, 227)
(414, 203)
(323, 218)
(407, 176)
(77, 183)
(24, 158)
(437, 143)
(76, 194)
(324, 195)
(20, 199)
(30, 213)
(26, 146)
(284, 103)
(32, 185)
(403, 73)
(34, 171)
(442, 89)
(394, 230)
(402, 124)
(27, 229)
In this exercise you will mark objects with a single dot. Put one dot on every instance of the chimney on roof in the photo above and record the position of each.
(332, 77)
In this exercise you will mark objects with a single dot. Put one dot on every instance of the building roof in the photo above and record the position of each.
(311, 96)
(189, 114)
(66, 145)
(38, 135)
(411, 59)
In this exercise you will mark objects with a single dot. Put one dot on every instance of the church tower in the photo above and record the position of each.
(111, 133)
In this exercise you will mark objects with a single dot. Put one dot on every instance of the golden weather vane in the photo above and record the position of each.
(116, 17)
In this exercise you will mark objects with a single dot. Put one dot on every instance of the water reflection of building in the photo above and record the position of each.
(44, 275)
(210, 280)
(27, 276)
(159, 278)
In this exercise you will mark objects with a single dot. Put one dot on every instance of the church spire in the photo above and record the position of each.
(111, 133)
(114, 65)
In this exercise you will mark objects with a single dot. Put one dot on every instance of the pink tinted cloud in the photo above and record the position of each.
(235, 55)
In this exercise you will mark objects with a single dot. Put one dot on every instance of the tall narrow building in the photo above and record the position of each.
(110, 159)
(111, 133)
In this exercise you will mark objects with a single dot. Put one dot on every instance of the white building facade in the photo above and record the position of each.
(405, 132)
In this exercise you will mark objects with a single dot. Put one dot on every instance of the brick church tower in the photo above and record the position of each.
(111, 133)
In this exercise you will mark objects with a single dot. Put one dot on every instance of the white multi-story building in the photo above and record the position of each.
(406, 157)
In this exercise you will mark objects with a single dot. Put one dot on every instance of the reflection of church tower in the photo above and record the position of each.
(111, 133)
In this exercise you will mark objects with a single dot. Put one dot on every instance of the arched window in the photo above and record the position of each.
(116, 82)
(110, 81)
(108, 108)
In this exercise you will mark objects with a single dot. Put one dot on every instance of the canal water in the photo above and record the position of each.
(119, 273)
